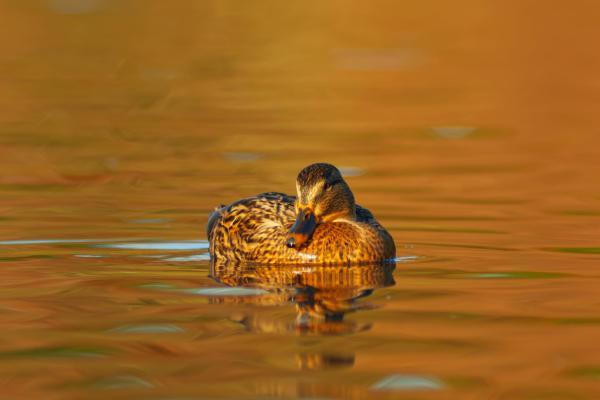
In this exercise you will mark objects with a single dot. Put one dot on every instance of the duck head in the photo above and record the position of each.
(323, 196)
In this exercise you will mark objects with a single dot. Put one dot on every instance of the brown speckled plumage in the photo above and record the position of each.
(255, 229)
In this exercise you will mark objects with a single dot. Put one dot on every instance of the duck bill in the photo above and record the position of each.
(302, 230)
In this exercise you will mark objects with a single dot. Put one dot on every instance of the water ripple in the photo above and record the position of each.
(48, 241)
(149, 328)
(174, 245)
(226, 291)
(408, 382)
(191, 258)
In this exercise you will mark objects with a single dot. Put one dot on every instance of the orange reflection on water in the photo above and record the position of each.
(468, 128)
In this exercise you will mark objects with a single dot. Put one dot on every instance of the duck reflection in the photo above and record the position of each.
(326, 360)
(322, 295)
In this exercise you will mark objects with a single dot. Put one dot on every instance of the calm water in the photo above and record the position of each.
(470, 129)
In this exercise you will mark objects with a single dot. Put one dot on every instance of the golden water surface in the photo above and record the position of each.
(469, 128)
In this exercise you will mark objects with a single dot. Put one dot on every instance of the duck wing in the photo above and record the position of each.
(235, 231)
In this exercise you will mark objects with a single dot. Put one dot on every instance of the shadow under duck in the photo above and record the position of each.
(322, 225)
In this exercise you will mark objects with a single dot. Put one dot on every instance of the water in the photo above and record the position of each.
(469, 129)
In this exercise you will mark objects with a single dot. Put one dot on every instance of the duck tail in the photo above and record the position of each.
(213, 218)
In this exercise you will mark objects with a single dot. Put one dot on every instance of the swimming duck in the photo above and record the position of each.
(321, 225)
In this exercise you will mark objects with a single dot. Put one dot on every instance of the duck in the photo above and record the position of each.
(322, 224)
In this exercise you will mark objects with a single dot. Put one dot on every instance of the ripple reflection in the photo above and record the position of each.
(322, 295)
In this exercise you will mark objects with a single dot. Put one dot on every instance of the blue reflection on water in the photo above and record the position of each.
(408, 382)
(191, 258)
(175, 245)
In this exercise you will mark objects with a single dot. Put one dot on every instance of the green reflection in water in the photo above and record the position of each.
(589, 371)
(443, 229)
(121, 382)
(157, 286)
(511, 275)
(150, 328)
(24, 258)
(125, 381)
(465, 246)
(56, 352)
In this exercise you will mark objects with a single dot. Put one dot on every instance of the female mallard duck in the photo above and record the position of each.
(322, 225)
